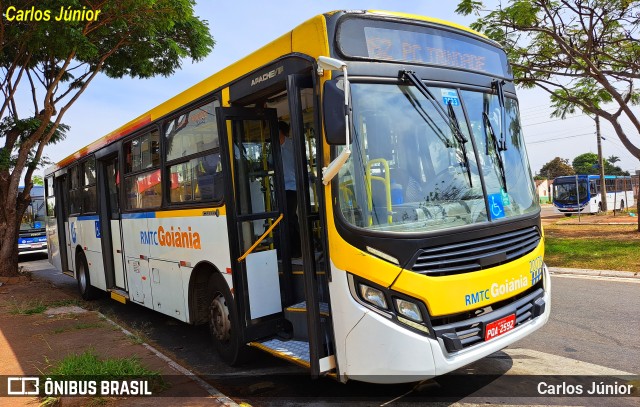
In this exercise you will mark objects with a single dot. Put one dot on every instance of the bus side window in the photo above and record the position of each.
(143, 182)
(193, 156)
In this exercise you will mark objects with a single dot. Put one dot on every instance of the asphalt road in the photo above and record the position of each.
(594, 321)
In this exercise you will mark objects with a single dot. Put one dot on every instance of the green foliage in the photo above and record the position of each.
(587, 163)
(557, 168)
(21, 130)
(57, 60)
(38, 180)
(583, 53)
(88, 363)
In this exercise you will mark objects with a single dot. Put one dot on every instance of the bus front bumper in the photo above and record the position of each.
(377, 350)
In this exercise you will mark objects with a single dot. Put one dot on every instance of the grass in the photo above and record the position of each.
(78, 326)
(27, 308)
(90, 364)
(592, 253)
(32, 307)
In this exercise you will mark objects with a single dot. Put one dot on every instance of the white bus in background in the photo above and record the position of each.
(588, 199)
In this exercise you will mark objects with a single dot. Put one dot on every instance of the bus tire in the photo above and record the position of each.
(224, 324)
(599, 207)
(87, 291)
(568, 214)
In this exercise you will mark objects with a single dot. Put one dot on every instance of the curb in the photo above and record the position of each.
(215, 393)
(599, 273)
(597, 224)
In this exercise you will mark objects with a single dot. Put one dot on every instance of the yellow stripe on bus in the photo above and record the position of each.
(184, 213)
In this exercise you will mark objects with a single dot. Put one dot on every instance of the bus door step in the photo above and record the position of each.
(297, 315)
(293, 351)
(119, 295)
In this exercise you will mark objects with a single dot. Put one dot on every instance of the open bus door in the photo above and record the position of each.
(283, 304)
(256, 223)
(315, 267)
(110, 221)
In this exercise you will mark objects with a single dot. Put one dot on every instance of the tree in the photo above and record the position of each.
(587, 163)
(37, 180)
(557, 168)
(583, 53)
(613, 159)
(55, 61)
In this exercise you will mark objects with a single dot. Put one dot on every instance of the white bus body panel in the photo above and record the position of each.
(53, 244)
(71, 245)
(368, 343)
(263, 284)
(118, 264)
(159, 268)
(88, 237)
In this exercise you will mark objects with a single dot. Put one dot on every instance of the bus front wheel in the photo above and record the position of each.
(87, 291)
(224, 324)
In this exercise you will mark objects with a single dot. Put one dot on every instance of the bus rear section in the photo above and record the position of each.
(32, 237)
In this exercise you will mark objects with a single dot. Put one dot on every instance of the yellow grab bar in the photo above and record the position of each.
(248, 252)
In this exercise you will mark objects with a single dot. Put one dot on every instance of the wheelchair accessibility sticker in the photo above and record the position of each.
(496, 206)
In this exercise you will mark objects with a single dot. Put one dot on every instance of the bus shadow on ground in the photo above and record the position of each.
(292, 389)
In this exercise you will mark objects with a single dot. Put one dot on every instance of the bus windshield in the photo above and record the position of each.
(33, 217)
(414, 168)
(564, 192)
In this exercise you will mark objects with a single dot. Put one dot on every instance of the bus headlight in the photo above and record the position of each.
(373, 296)
(409, 309)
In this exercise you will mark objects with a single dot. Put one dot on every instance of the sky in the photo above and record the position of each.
(241, 26)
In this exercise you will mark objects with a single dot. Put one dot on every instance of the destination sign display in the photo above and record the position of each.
(390, 41)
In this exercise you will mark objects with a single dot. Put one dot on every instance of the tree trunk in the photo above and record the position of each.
(9, 246)
(15, 205)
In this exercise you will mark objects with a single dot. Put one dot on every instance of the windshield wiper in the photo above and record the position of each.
(498, 85)
(488, 128)
(426, 117)
(449, 119)
(460, 138)
(410, 76)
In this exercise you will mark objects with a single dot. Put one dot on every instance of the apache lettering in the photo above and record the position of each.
(171, 238)
(271, 74)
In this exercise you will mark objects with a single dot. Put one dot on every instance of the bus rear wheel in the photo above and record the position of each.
(224, 324)
(87, 291)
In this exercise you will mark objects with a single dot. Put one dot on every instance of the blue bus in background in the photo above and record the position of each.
(581, 193)
(33, 235)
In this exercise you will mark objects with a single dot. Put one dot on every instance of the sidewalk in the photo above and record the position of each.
(41, 324)
(599, 273)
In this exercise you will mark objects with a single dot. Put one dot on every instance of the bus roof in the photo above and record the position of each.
(308, 38)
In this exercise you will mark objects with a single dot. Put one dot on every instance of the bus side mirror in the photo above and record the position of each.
(333, 109)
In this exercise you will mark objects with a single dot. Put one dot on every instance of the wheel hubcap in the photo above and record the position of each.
(219, 318)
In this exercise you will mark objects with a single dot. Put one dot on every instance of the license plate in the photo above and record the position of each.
(499, 327)
(36, 245)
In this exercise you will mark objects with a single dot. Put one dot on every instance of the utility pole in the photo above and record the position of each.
(603, 190)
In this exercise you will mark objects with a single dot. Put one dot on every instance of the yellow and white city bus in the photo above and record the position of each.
(422, 248)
